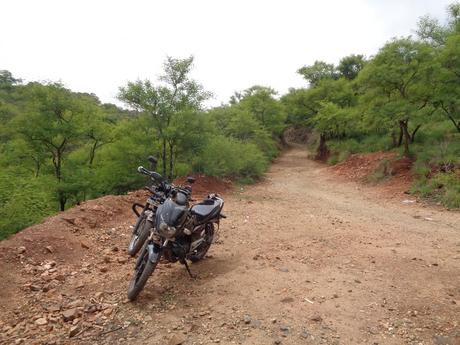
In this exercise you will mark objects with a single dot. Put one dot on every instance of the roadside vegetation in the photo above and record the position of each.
(58, 147)
(406, 98)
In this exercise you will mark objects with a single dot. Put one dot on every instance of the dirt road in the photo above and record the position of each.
(301, 259)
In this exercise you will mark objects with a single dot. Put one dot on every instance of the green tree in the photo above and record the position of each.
(261, 103)
(331, 121)
(447, 96)
(397, 86)
(320, 70)
(175, 92)
(57, 121)
(350, 66)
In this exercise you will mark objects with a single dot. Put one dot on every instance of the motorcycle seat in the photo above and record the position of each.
(206, 209)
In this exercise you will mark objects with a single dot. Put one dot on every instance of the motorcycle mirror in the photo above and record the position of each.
(153, 160)
(190, 179)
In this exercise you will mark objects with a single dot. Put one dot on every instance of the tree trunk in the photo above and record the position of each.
(412, 137)
(163, 156)
(457, 125)
(451, 118)
(92, 153)
(401, 131)
(171, 160)
(407, 137)
(394, 141)
(322, 152)
(37, 167)
(62, 201)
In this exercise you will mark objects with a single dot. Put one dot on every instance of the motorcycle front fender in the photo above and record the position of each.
(154, 252)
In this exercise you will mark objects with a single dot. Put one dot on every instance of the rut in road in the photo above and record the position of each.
(301, 259)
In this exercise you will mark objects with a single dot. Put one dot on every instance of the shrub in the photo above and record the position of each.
(224, 156)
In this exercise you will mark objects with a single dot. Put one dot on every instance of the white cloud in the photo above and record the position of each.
(96, 46)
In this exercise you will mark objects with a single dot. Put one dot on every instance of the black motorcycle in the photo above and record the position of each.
(159, 190)
(180, 233)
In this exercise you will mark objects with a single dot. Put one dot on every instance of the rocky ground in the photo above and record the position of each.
(303, 258)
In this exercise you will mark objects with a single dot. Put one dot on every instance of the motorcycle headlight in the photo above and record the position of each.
(167, 231)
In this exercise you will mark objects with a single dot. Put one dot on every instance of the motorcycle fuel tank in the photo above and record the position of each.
(170, 213)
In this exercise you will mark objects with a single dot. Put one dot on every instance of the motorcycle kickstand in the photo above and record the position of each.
(184, 262)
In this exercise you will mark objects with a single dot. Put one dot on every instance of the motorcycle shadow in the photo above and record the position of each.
(169, 281)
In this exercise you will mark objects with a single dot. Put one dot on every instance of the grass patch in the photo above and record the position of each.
(382, 172)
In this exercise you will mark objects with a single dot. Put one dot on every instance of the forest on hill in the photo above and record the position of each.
(59, 147)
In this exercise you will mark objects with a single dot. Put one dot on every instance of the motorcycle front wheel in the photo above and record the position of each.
(140, 235)
(141, 274)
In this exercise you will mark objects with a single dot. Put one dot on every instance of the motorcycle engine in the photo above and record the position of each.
(181, 247)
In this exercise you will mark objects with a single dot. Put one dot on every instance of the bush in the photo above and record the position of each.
(24, 201)
(442, 187)
(224, 156)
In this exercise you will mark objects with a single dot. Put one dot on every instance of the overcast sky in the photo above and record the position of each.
(97, 46)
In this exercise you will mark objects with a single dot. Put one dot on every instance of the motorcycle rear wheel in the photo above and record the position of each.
(139, 236)
(204, 247)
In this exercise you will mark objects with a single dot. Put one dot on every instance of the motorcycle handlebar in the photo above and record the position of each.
(158, 178)
(153, 174)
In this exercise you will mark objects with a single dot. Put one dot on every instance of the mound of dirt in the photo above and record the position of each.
(204, 185)
(359, 166)
(394, 176)
(67, 276)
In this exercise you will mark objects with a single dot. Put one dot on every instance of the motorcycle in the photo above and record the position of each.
(159, 190)
(181, 232)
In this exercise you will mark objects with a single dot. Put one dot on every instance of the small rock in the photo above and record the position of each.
(53, 308)
(49, 249)
(74, 331)
(84, 245)
(35, 287)
(41, 321)
(247, 319)
(256, 323)
(122, 260)
(60, 277)
(304, 334)
(316, 318)
(21, 250)
(70, 314)
(103, 269)
(176, 339)
(277, 342)
(441, 340)
(287, 300)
